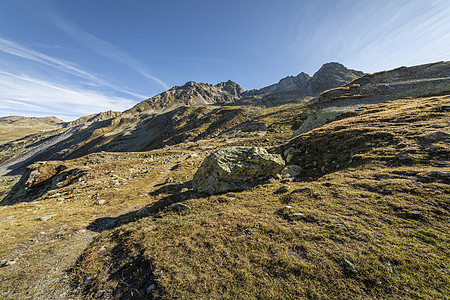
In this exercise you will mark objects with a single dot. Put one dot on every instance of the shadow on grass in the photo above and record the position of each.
(174, 193)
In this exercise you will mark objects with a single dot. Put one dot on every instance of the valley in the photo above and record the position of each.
(109, 206)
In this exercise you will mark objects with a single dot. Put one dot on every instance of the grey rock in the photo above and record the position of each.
(178, 207)
(298, 215)
(437, 135)
(291, 170)
(283, 189)
(100, 202)
(143, 212)
(236, 168)
(45, 218)
(433, 147)
(440, 173)
(349, 267)
(151, 288)
(302, 190)
(7, 218)
(5, 262)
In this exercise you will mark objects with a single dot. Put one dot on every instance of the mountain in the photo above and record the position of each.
(198, 111)
(167, 118)
(191, 93)
(108, 206)
(329, 76)
(366, 217)
(16, 127)
(417, 81)
(30, 120)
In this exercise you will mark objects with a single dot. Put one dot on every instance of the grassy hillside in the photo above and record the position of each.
(368, 217)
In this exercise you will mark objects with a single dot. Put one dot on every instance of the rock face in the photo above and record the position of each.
(191, 93)
(418, 81)
(329, 76)
(236, 168)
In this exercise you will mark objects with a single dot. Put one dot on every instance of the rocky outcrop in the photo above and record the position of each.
(88, 120)
(191, 93)
(236, 168)
(417, 81)
(301, 87)
(330, 76)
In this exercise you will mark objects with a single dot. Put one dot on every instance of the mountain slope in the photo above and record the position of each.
(15, 127)
(373, 227)
(417, 81)
(191, 93)
(366, 217)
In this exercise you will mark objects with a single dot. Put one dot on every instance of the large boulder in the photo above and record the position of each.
(236, 168)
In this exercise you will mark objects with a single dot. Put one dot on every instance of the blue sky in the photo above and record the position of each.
(74, 58)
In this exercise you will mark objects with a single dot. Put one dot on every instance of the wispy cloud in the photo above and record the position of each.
(373, 35)
(18, 50)
(104, 48)
(20, 92)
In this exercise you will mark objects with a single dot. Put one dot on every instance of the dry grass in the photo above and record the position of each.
(17, 131)
(388, 217)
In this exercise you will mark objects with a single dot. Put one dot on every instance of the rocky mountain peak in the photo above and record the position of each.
(332, 75)
(230, 87)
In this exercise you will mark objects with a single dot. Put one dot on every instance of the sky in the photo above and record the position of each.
(78, 57)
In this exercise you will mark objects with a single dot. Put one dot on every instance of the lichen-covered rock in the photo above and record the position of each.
(236, 168)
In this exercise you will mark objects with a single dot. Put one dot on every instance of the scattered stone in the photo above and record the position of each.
(86, 280)
(291, 171)
(350, 267)
(248, 231)
(388, 264)
(298, 215)
(437, 135)
(283, 189)
(184, 190)
(100, 202)
(302, 190)
(342, 226)
(287, 180)
(151, 288)
(236, 168)
(143, 212)
(177, 207)
(290, 153)
(45, 218)
(61, 229)
(168, 180)
(440, 173)
(433, 147)
(7, 218)
(5, 263)
(288, 207)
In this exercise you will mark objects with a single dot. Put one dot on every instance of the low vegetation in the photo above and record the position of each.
(367, 218)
